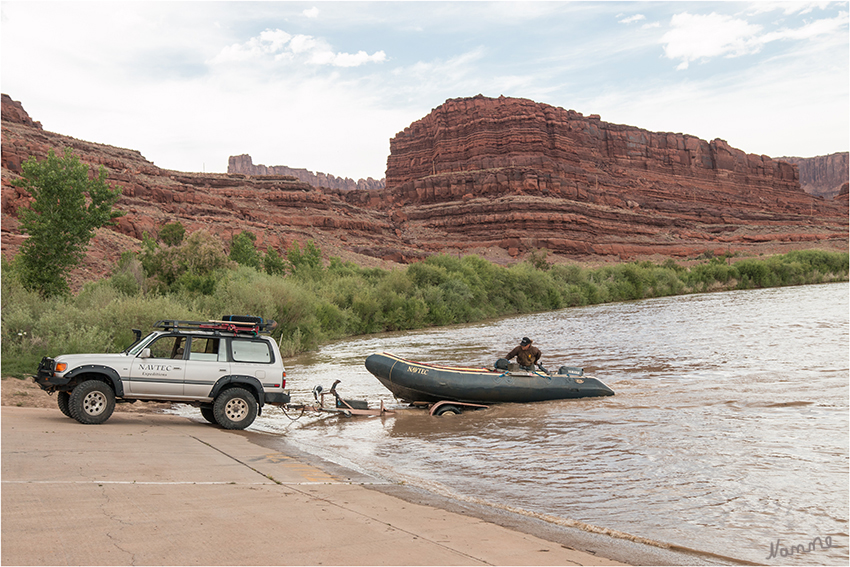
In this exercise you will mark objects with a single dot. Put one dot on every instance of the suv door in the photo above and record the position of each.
(207, 363)
(161, 374)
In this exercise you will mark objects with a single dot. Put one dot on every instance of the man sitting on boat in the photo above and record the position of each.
(526, 354)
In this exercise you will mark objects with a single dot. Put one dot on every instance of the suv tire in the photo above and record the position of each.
(63, 399)
(209, 415)
(235, 408)
(91, 402)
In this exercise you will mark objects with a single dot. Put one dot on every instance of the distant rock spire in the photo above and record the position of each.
(245, 165)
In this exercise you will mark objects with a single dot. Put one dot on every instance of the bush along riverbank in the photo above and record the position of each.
(315, 302)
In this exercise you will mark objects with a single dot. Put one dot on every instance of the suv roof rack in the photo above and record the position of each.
(254, 326)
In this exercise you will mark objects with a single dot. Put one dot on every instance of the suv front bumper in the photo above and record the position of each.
(44, 376)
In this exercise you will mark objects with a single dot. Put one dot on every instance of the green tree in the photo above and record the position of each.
(273, 263)
(68, 205)
(172, 233)
(243, 251)
(308, 260)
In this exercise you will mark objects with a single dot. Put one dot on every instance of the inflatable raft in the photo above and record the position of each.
(420, 382)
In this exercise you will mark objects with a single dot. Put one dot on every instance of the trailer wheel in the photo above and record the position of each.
(447, 410)
(209, 415)
(63, 399)
(235, 408)
(91, 402)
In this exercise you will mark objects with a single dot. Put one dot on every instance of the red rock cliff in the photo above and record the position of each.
(503, 186)
(822, 175)
(279, 210)
(479, 133)
(520, 175)
(12, 111)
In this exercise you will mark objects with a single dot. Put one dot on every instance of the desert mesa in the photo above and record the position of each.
(498, 177)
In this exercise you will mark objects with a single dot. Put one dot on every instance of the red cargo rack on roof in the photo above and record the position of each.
(235, 324)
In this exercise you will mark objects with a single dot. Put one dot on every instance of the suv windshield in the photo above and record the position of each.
(134, 349)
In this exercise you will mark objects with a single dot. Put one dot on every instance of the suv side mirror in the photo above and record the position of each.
(146, 353)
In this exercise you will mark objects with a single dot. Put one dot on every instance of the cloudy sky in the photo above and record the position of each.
(325, 85)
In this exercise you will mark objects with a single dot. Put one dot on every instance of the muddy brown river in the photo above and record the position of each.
(728, 432)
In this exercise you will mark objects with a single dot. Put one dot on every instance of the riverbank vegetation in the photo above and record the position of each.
(315, 301)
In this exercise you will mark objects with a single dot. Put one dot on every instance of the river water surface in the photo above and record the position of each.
(728, 432)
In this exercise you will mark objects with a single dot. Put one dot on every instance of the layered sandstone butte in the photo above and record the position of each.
(245, 165)
(480, 133)
(822, 176)
(518, 174)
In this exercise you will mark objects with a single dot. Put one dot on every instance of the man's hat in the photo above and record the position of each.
(525, 341)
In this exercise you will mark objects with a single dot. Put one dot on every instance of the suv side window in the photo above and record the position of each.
(250, 351)
(167, 347)
(207, 348)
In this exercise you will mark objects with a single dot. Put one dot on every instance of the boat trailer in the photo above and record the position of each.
(348, 408)
(448, 407)
(340, 406)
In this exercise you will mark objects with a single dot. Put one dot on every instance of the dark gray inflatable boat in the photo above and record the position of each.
(420, 382)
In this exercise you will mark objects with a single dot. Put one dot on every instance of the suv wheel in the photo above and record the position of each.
(91, 402)
(235, 408)
(209, 415)
(63, 399)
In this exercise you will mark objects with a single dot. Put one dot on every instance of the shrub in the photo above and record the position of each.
(172, 233)
(753, 273)
(201, 254)
(317, 304)
(568, 274)
(537, 258)
(427, 274)
(128, 277)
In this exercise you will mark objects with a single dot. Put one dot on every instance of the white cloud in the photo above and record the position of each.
(696, 37)
(786, 7)
(632, 19)
(810, 30)
(284, 47)
(269, 42)
(357, 59)
(312, 12)
(304, 43)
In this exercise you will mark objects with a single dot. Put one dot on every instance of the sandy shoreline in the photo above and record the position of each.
(88, 468)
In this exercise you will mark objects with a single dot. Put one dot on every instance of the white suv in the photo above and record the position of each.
(228, 368)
